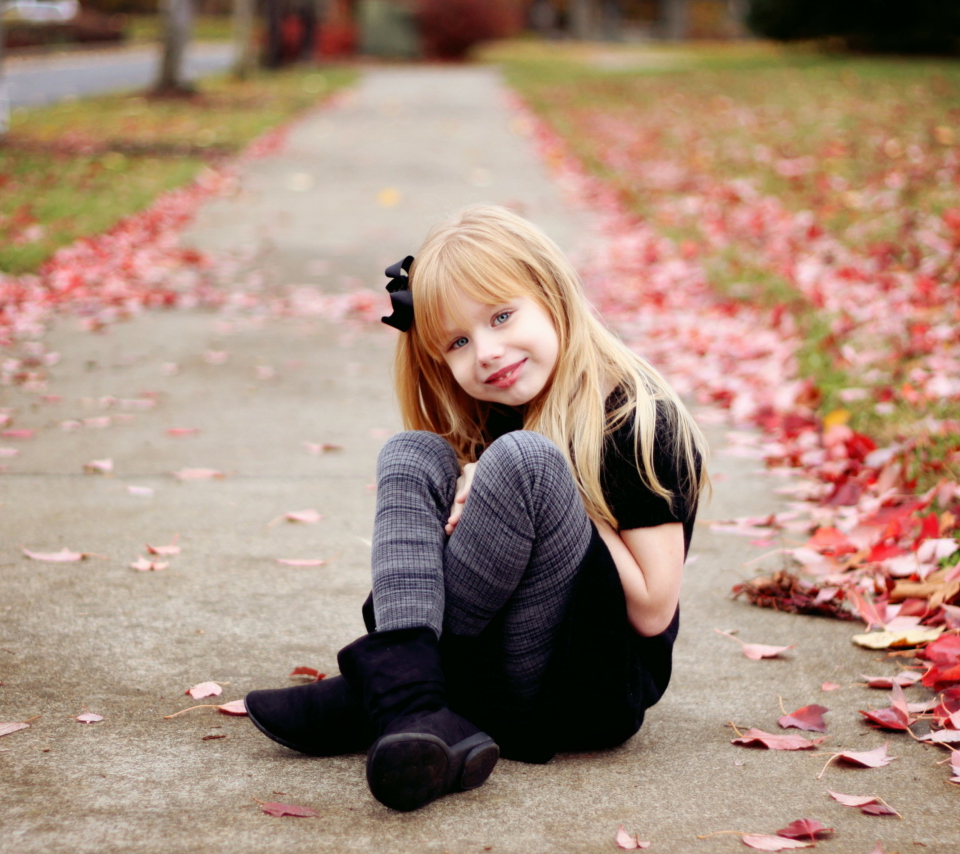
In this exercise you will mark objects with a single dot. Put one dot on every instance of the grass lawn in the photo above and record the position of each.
(724, 146)
(76, 168)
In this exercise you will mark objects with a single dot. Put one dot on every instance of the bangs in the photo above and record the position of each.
(462, 267)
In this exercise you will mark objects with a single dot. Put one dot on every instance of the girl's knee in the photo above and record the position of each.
(525, 451)
(416, 450)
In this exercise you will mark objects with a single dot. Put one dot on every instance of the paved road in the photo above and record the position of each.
(126, 644)
(35, 81)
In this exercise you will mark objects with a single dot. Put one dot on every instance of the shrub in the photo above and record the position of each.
(450, 28)
(918, 26)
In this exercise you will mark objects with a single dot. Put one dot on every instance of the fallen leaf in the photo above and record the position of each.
(301, 561)
(141, 491)
(763, 842)
(312, 672)
(212, 737)
(942, 736)
(62, 556)
(6, 729)
(876, 758)
(878, 809)
(308, 517)
(18, 434)
(806, 718)
(204, 689)
(180, 432)
(625, 840)
(805, 828)
(754, 737)
(234, 707)
(897, 640)
(277, 809)
(172, 549)
(146, 565)
(757, 651)
(317, 448)
(830, 686)
(198, 474)
(89, 718)
(904, 679)
(852, 800)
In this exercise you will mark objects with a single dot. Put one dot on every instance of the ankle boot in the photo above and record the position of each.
(323, 718)
(422, 749)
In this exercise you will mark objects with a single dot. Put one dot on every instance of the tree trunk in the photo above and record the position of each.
(4, 87)
(177, 17)
(273, 53)
(583, 18)
(244, 57)
(612, 25)
(674, 19)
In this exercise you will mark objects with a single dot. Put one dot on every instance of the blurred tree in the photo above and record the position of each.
(244, 50)
(674, 19)
(4, 90)
(177, 18)
(920, 26)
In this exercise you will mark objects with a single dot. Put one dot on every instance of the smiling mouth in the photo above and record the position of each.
(505, 377)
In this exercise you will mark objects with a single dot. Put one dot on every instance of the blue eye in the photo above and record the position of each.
(501, 318)
(460, 342)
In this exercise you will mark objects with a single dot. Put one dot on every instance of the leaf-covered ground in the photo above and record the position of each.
(781, 235)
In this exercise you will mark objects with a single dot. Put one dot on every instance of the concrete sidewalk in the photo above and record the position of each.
(354, 190)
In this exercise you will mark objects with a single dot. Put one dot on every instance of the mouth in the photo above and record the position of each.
(505, 377)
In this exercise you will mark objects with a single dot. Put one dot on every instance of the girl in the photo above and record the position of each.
(530, 532)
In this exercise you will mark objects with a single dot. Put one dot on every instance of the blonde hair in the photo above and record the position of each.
(493, 255)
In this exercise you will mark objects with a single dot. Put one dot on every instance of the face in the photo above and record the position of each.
(501, 353)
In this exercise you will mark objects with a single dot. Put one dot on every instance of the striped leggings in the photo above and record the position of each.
(511, 560)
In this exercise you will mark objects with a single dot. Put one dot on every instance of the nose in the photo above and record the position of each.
(488, 348)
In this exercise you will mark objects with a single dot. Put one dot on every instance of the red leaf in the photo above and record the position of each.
(852, 800)
(904, 679)
(172, 549)
(807, 718)
(830, 540)
(805, 828)
(875, 758)
(878, 809)
(288, 809)
(313, 673)
(763, 842)
(234, 707)
(754, 737)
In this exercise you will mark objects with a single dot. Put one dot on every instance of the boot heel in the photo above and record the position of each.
(407, 771)
(479, 765)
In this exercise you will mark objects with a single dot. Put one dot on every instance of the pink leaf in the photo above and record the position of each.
(172, 549)
(6, 729)
(625, 840)
(62, 556)
(753, 737)
(806, 718)
(904, 679)
(144, 565)
(180, 432)
(18, 434)
(756, 651)
(876, 758)
(308, 517)
(830, 686)
(204, 689)
(288, 809)
(198, 474)
(98, 467)
(234, 707)
(763, 842)
(89, 718)
(852, 800)
(301, 561)
(805, 828)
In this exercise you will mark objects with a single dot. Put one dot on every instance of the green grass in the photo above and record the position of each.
(206, 28)
(74, 169)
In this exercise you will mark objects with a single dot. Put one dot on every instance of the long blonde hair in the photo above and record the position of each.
(493, 255)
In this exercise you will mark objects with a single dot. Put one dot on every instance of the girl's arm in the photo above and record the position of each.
(650, 563)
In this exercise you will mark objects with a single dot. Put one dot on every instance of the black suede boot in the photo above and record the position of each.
(323, 718)
(423, 750)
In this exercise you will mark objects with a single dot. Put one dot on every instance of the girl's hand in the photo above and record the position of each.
(464, 483)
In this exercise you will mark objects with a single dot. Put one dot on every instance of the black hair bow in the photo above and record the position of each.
(400, 296)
